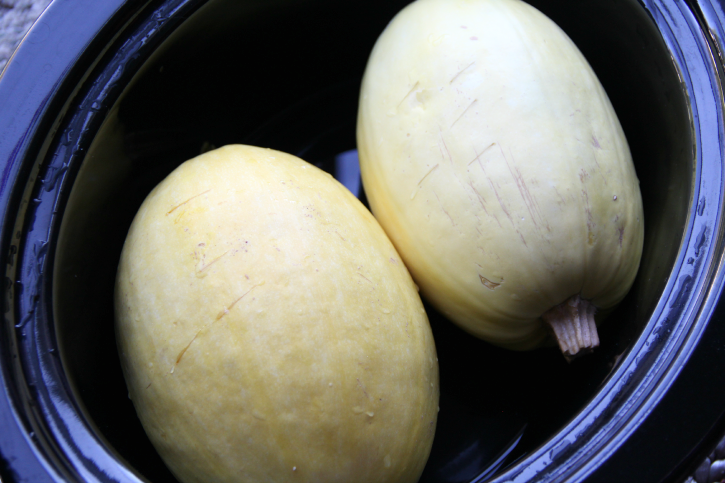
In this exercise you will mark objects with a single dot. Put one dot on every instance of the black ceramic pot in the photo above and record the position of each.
(103, 99)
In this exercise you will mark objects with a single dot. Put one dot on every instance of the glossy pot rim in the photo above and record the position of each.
(644, 391)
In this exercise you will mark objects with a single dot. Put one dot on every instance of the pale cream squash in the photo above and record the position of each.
(492, 157)
(269, 331)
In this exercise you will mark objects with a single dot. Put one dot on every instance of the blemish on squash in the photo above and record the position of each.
(478, 155)
(599, 171)
(202, 266)
(221, 314)
(464, 112)
(444, 210)
(417, 187)
(363, 276)
(422, 97)
(258, 415)
(426, 175)
(185, 202)
(590, 219)
(415, 86)
(362, 387)
(448, 152)
(531, 204)
(183, 351)
(226, 310)
(461, 72)
(482, 201)
(436, 40)
(523, 240)
(488, 284)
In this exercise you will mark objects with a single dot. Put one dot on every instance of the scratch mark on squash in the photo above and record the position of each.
(362, 386)
(204, 267)
(620, 229)
(478, 155)
(590, 220)
(426, 175)
(229, 308)
(599, 169)
(561, 198)
(482, 201)
(444, 210)
(504, 208)
(415, 86)
(450, 158)
(595, 142)
(522, 238)
(363, 276)
(500, 201)
(531, 204)
(185, 202)
(219, 316)
(183, 351)
(458, 178)
(461, 72)
(464, 112)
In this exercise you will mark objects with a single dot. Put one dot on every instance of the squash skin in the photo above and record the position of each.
(269, 331)
(493, 158)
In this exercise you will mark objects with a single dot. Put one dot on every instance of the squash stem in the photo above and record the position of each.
(572, 323)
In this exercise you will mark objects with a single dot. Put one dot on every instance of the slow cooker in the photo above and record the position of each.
(103, 99)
